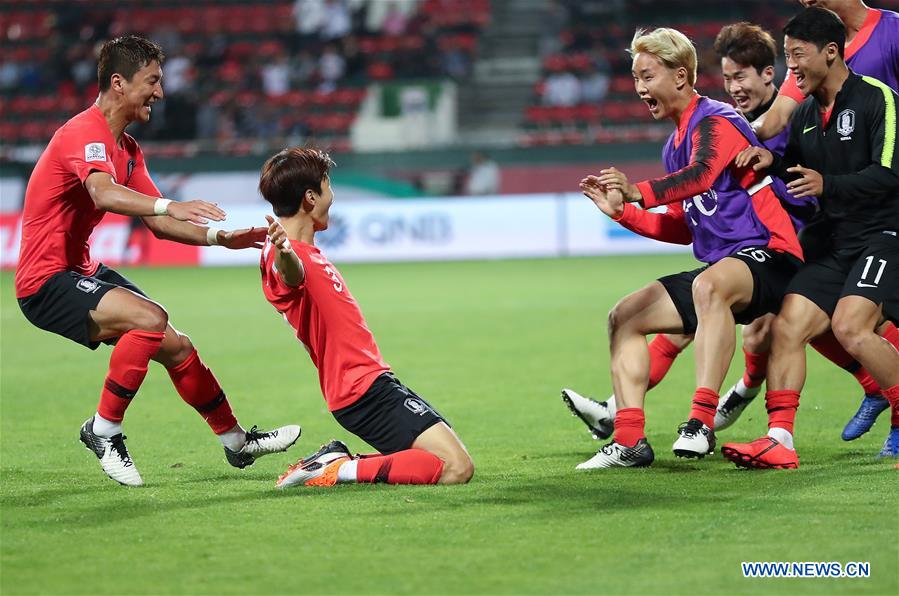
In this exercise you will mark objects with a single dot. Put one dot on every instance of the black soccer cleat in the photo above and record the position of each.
(616, 455)
(112, 453)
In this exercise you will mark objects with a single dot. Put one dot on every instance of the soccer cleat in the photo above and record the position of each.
(614, 455)
(261, 443)
(871, 407)
(595, 414)
(891, 445)
(319, 469)
(764, 453)
(730, 408)
(696, 439)
(113, 455)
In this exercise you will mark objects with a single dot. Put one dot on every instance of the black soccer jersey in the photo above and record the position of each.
(857, 157)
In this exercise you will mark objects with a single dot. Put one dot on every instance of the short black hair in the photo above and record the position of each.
(818, 26)
(747, 45)
(126, 55)
(288, 174)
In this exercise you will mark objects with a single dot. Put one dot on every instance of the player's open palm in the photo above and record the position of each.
(609, 201)
(278, 235)
(198, 212)
(243, 238)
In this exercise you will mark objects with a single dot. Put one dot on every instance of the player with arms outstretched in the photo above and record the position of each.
(736, 224)
(92, 166)
(416, 444)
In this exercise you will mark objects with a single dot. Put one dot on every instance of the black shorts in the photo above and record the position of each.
(771, 272)
(62, 305)
(872, 272)
(389, 416)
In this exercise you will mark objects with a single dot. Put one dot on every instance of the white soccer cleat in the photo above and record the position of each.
(733, 403)
(696, 439)
(113, 455)
(614, 455)
(597, 415)
(261, 443)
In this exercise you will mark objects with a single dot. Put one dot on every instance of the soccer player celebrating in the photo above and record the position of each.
(92, 166)
(736, 224)
(416, 444)
(747, 54)
(844, 137)
(872, 49)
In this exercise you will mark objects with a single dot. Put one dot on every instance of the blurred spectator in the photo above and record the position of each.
(483, 177)
(276, 76)
(595, 83)
(303, 69)
(331, 67)
(562, 89)
(394, 21)
(553, 22)
(336, 21)
(309, 16)
(177, 74)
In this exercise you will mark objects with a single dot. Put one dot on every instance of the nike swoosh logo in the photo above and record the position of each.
(864, 285)
(809, 128)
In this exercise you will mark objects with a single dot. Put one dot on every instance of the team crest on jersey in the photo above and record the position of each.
(88, 286)
(415, 406)
(846, 123)
(95, 152)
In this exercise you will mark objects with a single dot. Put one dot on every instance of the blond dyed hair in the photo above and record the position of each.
(670, 46)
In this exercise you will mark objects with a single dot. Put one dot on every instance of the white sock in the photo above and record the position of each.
(782, 436)
(747, 392)
(106, 428)
(234, 439)
(610, 403)
(347, 471)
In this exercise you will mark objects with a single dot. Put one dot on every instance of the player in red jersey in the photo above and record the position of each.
(416, 444)
(92, 166)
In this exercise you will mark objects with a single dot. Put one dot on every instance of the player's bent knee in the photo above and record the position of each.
(150, 317)
(706, 291)
(457, 469)
(848, 332)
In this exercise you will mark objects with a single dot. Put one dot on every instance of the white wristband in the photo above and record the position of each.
(212, 236)
(161, 206)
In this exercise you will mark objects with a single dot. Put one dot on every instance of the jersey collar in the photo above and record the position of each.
(861, 38)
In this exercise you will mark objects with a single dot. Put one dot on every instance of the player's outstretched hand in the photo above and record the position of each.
(278, 235)
(198, 212)
(761, 156)
(609, 201)
(809, 184)
(615, 179)
(243, 238)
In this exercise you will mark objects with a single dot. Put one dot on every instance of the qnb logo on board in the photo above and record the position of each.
(426, 228)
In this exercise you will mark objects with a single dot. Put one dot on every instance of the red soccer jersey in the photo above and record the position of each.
(328, 322)
(59, 214)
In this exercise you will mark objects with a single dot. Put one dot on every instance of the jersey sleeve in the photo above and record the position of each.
(790, 89)
(882, 175)
(667, 227)
(140, 178)
(716, 142)
(83, 150)
(278, 293)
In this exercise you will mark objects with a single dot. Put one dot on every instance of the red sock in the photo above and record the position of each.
(412, 466)
(705, 402)
(127, 368)
(629, 426)
(891, 334)
(661, 356)
(892, 394)
(828, 346)
(756, 368)
(781, 407)
(197, 386)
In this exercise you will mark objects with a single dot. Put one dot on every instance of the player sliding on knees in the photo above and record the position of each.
(735, 222)
(416, 444)
(747, 53)
(92, 166)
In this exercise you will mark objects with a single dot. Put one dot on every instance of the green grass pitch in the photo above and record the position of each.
(489, 344)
